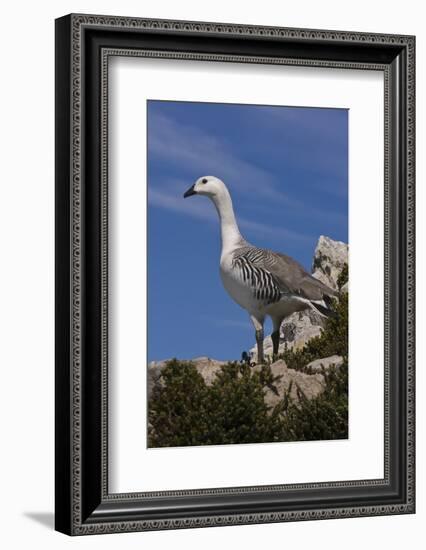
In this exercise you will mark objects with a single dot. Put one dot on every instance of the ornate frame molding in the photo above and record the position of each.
(73, 504)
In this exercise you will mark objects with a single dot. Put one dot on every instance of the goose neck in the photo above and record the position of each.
(230, 233)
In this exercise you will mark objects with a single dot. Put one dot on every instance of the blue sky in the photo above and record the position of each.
(287, 171)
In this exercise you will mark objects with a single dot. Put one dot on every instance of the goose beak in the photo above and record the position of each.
(189, 192)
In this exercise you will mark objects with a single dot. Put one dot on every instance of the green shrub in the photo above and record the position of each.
(185, 411)
(175, 415)
(322, 417)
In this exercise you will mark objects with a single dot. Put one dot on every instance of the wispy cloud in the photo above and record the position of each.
(170, 201)
(190, 150)
(201, 209)
(234, 323)
(187, 147)
(279, 233)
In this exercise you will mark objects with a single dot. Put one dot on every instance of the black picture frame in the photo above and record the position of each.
(83, 504)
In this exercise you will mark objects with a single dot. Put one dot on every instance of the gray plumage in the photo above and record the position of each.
(272, 274)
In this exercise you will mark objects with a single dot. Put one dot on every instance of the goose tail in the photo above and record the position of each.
(323, 308)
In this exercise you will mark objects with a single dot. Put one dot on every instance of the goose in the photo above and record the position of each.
(263, 282)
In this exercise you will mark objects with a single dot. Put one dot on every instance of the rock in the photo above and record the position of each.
(329, 259)
(207, 368)
(294, 327)
(327, 362)
(310, 384)
(295, 332)
(300, 327)
(300, 333)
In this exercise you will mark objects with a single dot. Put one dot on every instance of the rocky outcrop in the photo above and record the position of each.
(299, 328)
(296, 330)
(327, 362)
(329, 259)
(310, 384)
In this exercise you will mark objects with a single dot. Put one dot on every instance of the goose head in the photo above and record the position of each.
(209, 186)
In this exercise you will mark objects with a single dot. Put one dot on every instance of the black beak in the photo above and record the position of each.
(190, 192)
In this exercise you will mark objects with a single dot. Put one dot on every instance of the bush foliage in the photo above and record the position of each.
(183, 410)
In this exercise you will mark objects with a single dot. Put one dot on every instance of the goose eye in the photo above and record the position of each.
(204, 180)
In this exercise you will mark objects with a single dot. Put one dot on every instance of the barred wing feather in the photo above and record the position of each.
(283, 274)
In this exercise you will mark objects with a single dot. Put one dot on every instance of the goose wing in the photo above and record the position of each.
(287, 274)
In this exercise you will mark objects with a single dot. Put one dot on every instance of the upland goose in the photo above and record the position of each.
(261, 281)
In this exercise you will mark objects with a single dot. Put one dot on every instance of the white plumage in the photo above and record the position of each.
(261, 281)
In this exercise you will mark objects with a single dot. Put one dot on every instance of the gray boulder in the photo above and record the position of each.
(310, 384)
(329, 259)
(327, 362)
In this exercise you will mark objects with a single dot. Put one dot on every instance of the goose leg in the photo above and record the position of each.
(275, 336)
(258, 325)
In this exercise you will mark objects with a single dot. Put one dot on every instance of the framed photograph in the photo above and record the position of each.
(234, 274)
